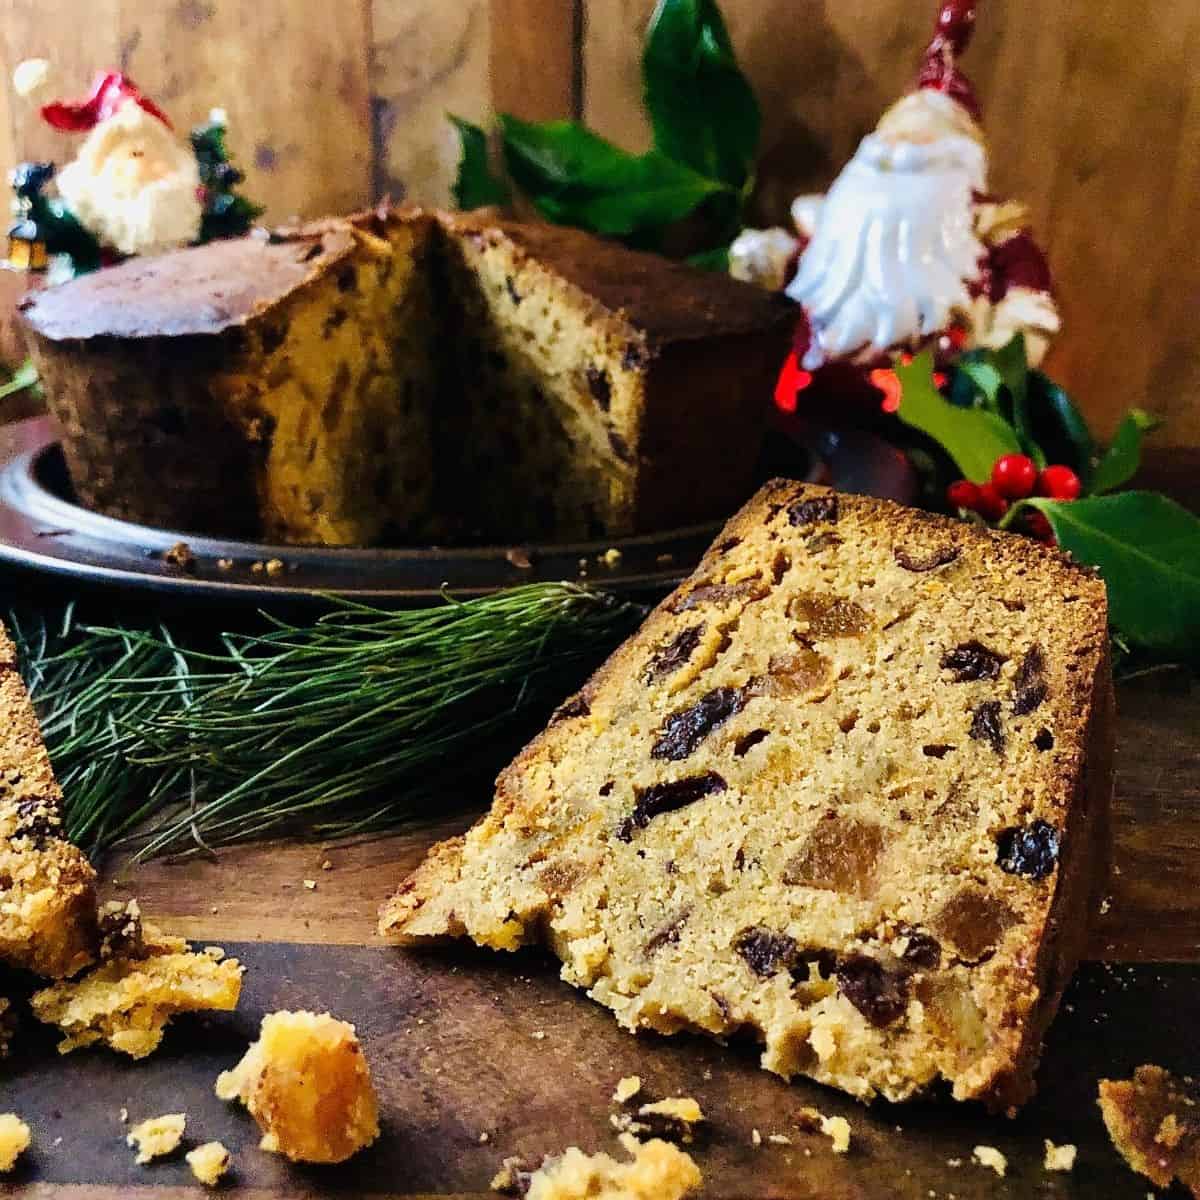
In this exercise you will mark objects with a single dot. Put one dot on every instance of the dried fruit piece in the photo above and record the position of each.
(1030, 687)
(972, 660)
(809, 512)
(828, 616)
(922, 950)
(675, 653)
(879, 994)
(1044, 740)
(599, 385)
(928, 560)
(667, 933)
(720, 594)
(666, 797)
(577, 706)
(797, 672)
(1030, 850)
(748, 741)
(766, 951)
(973, 922)
(840, 855)
(986, 725)
(685, 729)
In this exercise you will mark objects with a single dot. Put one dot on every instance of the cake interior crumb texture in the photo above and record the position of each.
(845, 791)
(14, 1140)
(47, 887)
(1153, 1120)
(306, 1082)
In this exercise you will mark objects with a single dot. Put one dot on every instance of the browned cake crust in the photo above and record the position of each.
(47, 896)
(846, 789)
(1153, 1120)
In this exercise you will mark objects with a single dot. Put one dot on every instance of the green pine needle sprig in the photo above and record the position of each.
(358, 721)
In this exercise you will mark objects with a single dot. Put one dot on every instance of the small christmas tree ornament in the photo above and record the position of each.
(907, 249)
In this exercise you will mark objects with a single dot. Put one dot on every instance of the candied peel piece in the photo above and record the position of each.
(1153, 1120)
(840, 855)
(307, 1084)
(828, 617)
(127, 1000)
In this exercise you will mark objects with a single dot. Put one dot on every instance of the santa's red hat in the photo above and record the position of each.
(939, 67)
(109, 91)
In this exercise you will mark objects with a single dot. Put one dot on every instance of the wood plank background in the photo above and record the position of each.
(1092, 106)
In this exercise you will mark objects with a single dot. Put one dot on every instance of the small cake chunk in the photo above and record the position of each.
(128, 999)
(14, 1140)
(1153, 1120)
(157, 1137)
(209, 1162)
(627, 1088)
(989, 1156)
(1059, 1158)
(677, 1118)
(657, 1171)
(306, 1082)
(846, 790)
(837, 1130)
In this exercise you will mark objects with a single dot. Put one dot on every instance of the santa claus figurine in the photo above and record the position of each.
(908, 249)
(134, 184)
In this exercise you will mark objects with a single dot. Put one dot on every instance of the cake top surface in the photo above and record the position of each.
(199, 289)
(666, 300)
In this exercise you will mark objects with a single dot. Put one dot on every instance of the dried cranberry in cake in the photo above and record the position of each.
(766, 951)
(662, 798)
(972, 660)
(828, 617)
(675, 653)
(840, 855)
(684, 730)
(986, 725)
(809, 512)
(972, 923)
(1030, 687)
(928, 559)
(1030, 850)
(879, 994)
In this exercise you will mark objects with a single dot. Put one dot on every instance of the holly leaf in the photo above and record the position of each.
(1060, 428)
(576, 177)
(475, 186)
(702, 108)
(1124, 455)
(984, 378)
(1012, 364)
(716, 259)
(1147, 548)
(973, 437)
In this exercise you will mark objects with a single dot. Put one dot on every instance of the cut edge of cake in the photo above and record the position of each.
(458, 892)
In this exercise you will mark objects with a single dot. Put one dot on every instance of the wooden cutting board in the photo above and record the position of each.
(478, 1055)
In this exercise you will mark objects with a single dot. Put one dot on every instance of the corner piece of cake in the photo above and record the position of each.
(847, 789)
(1153, 1120)
(47, 886)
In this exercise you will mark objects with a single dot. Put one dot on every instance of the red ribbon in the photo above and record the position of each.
(109, 91)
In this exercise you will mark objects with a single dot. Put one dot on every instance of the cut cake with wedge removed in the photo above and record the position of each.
(847, 790)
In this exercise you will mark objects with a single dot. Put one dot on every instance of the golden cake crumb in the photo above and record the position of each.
(127, 1001)
(676, 1118)
(779, 1139)
(989, 1156)
(209, 1162)
(1153, 1120)
(837, 1129)
(157, 1136)
(1059, 1158)
(306, 1082)
(755, 1138)
(627, 1088)
(14, 1140)
(657, 1171)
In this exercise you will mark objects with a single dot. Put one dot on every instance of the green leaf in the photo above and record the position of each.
(986, 378)
(702, 108)
(1147, 548)
(1013, 366)
(475, 186)
(973, 437)
(1120, 463)
(576, 177)
(716, 259)
(25, 376)
(1059, 426)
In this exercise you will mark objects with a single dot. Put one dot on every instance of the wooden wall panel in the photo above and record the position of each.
(1093, 111)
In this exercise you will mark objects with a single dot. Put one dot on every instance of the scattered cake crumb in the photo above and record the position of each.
(519, 558)
(989, 1156)
(180, 555)
(755, 1138)
(224, 564)
(311, 884)
(327, 865)
(676, 1118)
(779, 1139)
(275, 566)
(484, 1137)
(837, 1130)
(124, 1115)
(209, 1162)
(611, 557)
(1059, 1158)
(656, 1171)
(306, 1082)
(627, 1088)
(538, 1035)
(157, 1136)
(14, 1140)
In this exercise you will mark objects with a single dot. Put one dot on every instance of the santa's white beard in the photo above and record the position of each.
(157, 216)
(893, 249)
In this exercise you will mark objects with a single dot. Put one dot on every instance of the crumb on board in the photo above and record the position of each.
(755, 1138)
(275, 566)
(538, 1035)
(180, 556)
(157, 1137)
(837, 1130)
(224, 564)
(656, 1171)
(611, 557)
(327, 865)
(627, 1088)
(1059, 1158)
(209, 1162)
(989, 1156)
(311, 884)
(519, 558)
(14, 1140)
(779, 1139)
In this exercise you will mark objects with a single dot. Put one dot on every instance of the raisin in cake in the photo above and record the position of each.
(276, 388)
(47, 887)
(304, 388)
(845, 790)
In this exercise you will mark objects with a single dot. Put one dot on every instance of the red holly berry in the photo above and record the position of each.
(991, 506)
(1039, 527)
(963, 494)
(1014, 476)
(1058, 483)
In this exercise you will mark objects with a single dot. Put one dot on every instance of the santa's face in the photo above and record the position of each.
(134, 184)
(894, 246)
